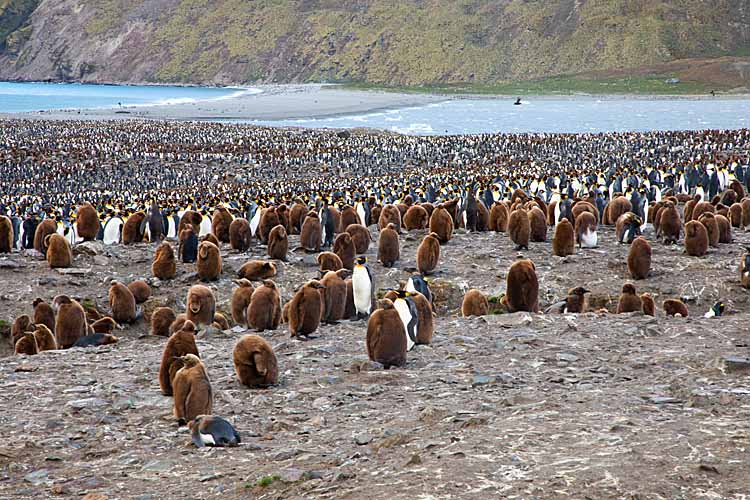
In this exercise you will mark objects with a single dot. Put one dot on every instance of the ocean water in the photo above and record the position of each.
(21, 97)
(451, 116)
(577, 114)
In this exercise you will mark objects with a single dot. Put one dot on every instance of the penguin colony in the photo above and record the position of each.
(337, 219)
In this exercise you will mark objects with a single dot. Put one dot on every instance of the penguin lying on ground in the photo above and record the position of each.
(716, 310)
(211, 430)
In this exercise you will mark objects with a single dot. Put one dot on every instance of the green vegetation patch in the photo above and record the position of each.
(267, 481)
(562, 85)
(13, 15)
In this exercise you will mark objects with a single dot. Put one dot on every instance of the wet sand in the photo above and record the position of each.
(277, 102)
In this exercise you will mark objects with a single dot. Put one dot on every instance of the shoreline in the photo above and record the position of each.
(273, 103)
(320, 101)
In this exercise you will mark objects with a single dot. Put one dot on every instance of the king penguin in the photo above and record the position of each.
(416, 283)
(206, 224)
(254, 214)
(212, 430)
(716, 310)
(172, 223)
(407, 311)
(363, 211)
(327, 224)
(112, 230)
(362, 287)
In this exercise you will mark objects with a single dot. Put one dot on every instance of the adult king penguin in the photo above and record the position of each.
(362, 287)
(407, 311)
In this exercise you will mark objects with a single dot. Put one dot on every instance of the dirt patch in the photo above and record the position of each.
(506, 406)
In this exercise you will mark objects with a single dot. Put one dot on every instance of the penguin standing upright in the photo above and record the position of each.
(17, 230)
(155, 223)
(407, 311)
(173, 223)
(713, 184)
(470, 209)
(28, 230)
(417, 283)
(113, 230)
(363, 211)
(327, 224)
(253, 215)
(362, 287)
(206, 224)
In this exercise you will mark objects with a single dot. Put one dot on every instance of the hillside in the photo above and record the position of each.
(412, 42)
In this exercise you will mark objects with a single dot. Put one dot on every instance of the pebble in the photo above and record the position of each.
(564, 356)
(90, 403)
(37, 477)
(363, 439)
(664, 400)
(480, 380)
(158, 466)
(734, 364)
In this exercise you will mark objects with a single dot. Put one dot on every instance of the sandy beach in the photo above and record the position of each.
(275, 102)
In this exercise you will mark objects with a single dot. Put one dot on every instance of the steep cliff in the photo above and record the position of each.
(399, 42)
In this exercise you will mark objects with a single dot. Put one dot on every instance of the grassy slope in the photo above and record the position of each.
(561, 85)
(420, 42)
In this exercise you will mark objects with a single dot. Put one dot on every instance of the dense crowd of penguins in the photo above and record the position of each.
(210, 189)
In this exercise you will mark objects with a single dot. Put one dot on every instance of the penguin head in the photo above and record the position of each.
(317, 285)
(385, 304)
(579, 290)
(361, 260)
(717, 309)
(269, 283)
(190, 360)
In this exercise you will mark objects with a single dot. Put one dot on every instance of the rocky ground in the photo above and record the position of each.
(519, 405)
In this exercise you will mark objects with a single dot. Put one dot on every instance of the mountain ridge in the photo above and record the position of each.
(407, 43)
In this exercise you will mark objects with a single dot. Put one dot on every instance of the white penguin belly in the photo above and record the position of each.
(589, 239)
(207, 439)
(205, 226)
(76, 238)
(362, 291)
(255, 221)
(112, 231)
(172, 231)
(403, 311)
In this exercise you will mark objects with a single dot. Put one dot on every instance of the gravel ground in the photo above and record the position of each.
(595, 405)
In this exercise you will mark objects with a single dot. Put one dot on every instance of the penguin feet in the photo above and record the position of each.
(304, 338)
